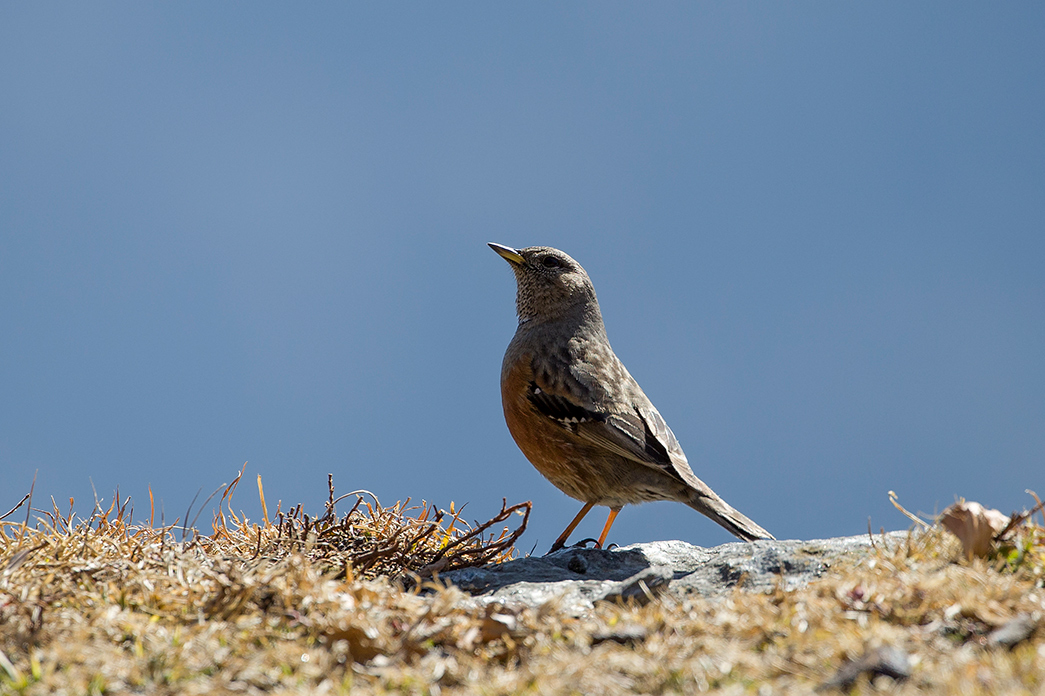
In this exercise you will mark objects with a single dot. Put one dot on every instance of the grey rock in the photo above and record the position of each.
(626, 634)
(579, 577)
(640, 587)
(886, 661)
(1013, 632)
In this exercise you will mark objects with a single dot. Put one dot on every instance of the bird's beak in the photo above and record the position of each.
(508, 254)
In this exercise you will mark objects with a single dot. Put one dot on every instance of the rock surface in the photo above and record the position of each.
(579, 577)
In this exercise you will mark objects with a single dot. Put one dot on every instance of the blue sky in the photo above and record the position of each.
(235, 232)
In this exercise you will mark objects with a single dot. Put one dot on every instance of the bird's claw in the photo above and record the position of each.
(583, 544)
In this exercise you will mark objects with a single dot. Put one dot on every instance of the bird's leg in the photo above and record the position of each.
(609, 523)
(561, 541)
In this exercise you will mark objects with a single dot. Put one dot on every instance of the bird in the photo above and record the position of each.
(576, 412)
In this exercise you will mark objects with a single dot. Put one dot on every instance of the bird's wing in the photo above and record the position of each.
(632, 429)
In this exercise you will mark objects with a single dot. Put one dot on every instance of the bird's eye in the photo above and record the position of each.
(551, 262)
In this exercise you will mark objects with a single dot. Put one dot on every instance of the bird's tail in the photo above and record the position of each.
(708, 503)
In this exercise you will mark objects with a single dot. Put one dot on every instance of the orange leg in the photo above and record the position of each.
(561, 541)
(609, 523)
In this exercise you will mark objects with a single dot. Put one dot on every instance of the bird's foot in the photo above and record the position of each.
(583, 544)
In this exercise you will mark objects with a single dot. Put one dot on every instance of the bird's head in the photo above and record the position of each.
(551, 285)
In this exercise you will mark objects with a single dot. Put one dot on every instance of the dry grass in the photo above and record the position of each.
(103, 606)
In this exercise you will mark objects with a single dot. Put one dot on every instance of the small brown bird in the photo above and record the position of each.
(577, 414)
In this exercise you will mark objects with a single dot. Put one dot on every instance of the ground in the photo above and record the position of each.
(100, 606)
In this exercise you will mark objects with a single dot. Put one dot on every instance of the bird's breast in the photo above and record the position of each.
(559, 457)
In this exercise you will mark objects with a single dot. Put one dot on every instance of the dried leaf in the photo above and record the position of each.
(974, 525)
